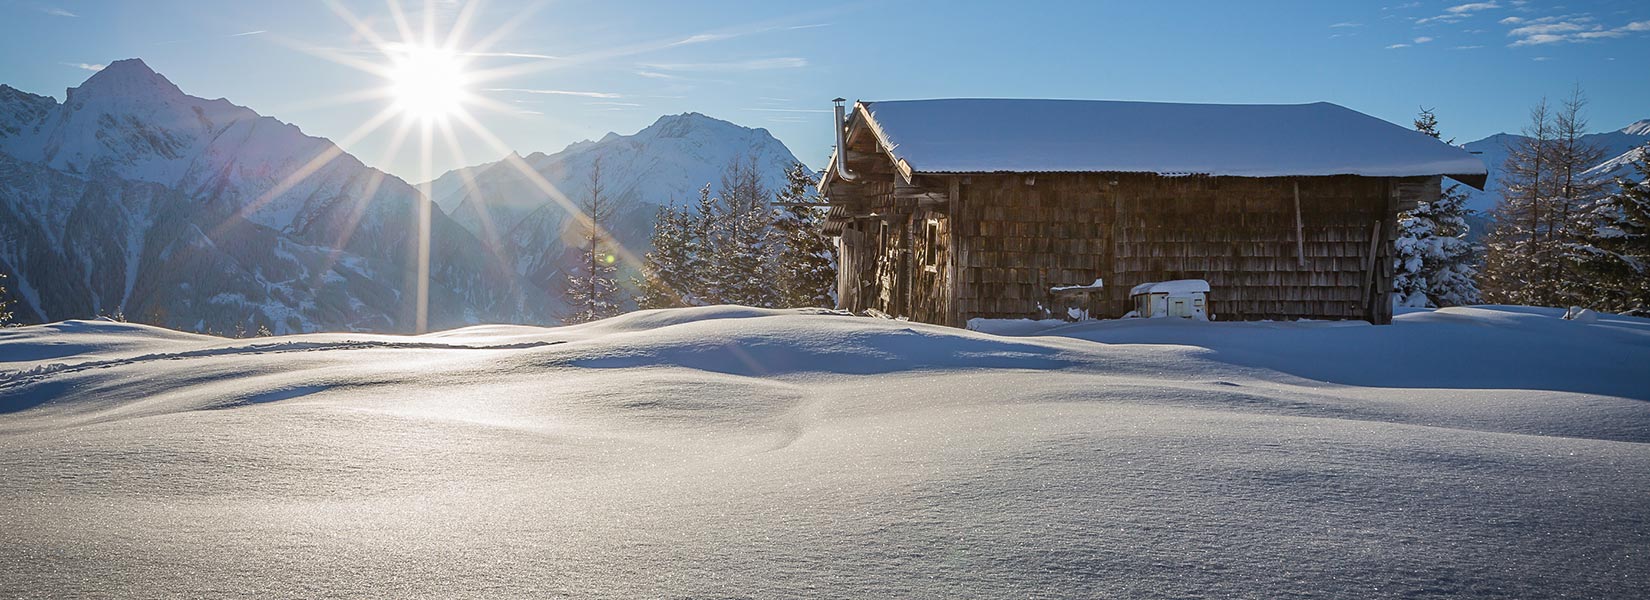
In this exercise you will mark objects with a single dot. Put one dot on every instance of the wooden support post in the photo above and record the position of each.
(953, 287)
(1114, 260)
(1300, 241)
(1383, 296)
(1369, 272)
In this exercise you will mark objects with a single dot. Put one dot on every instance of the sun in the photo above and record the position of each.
(427, 83)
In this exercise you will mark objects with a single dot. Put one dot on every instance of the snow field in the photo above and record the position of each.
(734, 452)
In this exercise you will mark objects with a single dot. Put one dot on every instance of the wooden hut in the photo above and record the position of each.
(949, 210)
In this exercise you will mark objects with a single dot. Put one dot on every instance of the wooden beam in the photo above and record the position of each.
(1369, 272)
(1300, 242)
(954, 202)
(924, 195)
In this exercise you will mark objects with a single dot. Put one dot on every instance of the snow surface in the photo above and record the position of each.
(1247, 140)
(1099, 284)
(1178, 286)
(735, 452)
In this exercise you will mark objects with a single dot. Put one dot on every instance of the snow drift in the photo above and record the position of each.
(726, 451)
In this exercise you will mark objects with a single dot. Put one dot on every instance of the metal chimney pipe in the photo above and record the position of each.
(842, 171)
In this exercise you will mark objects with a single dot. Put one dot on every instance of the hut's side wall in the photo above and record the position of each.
(998, 246)
(1018, 236)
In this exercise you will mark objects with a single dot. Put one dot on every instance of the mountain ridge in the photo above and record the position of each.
(669, 161)
(335, 236)
(1619, 145)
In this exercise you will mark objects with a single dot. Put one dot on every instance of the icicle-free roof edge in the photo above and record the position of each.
(979, 136)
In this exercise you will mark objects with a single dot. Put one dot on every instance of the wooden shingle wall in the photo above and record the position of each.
(996, 249)
(1020, 235)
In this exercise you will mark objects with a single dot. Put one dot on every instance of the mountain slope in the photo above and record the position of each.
(669, 161)
(226, 219)
(1618, 146)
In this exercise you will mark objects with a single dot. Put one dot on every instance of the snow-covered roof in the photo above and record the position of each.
(1244, 140)
(1178, 286)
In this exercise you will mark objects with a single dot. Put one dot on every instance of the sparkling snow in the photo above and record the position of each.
(733, 452)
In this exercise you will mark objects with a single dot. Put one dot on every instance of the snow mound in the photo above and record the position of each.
(729, 451)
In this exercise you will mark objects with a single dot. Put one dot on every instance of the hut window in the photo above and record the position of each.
(930, 243)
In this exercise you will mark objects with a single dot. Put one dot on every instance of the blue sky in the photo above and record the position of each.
(599, 66)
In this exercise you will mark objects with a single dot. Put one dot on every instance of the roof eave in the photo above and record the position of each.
(1476, 181)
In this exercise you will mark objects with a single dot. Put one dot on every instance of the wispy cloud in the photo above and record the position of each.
(1466, 47)
(1443, 18)
(1458, 13)
(657, 75)
(701, 38)
(1471, 7)
(759, 64)
(1422, 40)
(532, 55)
(1397, 46)
(247, 33)
(1569, 29)
(56, 11)
(1345, 24)
(580, 94)
(94, 67)
(717, 36)
(629, 104)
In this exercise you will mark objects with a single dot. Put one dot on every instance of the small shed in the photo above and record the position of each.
(949, 210)
(1183, 299)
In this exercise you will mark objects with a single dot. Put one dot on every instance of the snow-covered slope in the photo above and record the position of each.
(1619, 147)
(732, 452)
(1638, 128)
(668, 161)
(225, 233)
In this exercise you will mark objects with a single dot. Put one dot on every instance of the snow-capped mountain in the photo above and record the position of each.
(669, 161)
(1620, 147)
(133, 197)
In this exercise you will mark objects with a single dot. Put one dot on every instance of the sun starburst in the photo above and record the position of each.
(427, 82)
(428, 78)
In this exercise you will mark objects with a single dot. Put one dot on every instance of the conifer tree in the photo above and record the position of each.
(5, 304)
(736, 248)
(1452, 270)
(1537, 242)
(1515, 249)
(1615, 254)
(593, 287)
(1435, 261)
(1578, 192)
(703, 233)
(665, 275)
(742, 262)
(806, 263)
